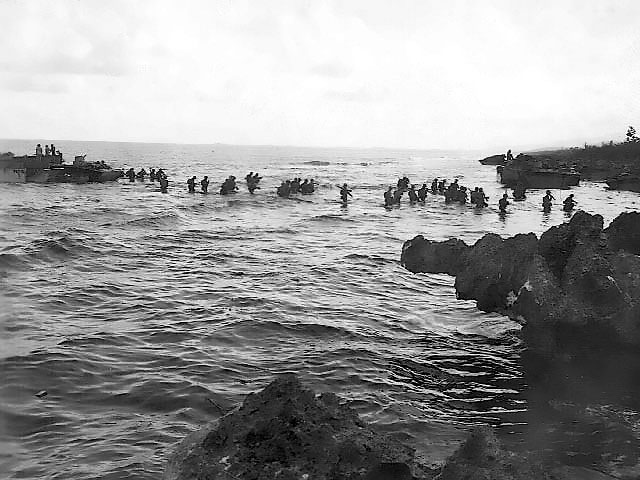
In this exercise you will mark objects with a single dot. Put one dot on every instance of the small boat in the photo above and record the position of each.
(625, 181)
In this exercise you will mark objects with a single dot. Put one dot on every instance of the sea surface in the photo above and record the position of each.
(146, 315)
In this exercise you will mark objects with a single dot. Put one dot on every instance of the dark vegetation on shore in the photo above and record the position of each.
(597, 162)
(593, 162)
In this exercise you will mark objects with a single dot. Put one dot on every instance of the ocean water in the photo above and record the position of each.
(146, 315)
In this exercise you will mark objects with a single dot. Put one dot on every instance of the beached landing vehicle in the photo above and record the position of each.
(533, 173)
(625, 181)
(51, 169)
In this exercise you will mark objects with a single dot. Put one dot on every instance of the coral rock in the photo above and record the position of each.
(287, 432)
(577, 288)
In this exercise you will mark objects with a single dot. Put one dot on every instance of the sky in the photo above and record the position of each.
(362, 73)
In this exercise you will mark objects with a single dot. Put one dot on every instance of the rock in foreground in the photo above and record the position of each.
(481, 458)
(287, 432)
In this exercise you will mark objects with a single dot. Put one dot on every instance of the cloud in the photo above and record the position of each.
(67, 37)
(319, 72)
(331, 70)
(32, 83)
(358, 95)
(92, 63)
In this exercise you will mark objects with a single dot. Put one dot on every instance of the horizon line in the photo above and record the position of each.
(521, 148)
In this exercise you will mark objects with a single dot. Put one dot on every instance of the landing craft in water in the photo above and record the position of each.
(52, 169)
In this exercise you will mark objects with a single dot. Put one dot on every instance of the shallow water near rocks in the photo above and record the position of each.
(145, 315)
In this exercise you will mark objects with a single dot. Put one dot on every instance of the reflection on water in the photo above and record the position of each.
(145, 315)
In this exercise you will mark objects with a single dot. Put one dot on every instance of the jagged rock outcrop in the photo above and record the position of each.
(421, 254)
(481, 457)
(577, 287)
(492, 269)
(624, 233)
(287, 432)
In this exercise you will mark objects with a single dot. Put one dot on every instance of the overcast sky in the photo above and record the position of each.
(431, 74)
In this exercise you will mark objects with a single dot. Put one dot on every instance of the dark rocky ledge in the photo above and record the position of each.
(575, 289)
(592, 162)
(288, 432)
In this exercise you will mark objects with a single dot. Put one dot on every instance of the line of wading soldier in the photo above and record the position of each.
(458, 193)
(452, 192)
(286, 188)
(154, 175)
(297, 185)
(229, 186)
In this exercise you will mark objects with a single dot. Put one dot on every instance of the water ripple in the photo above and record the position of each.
(145, 315)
